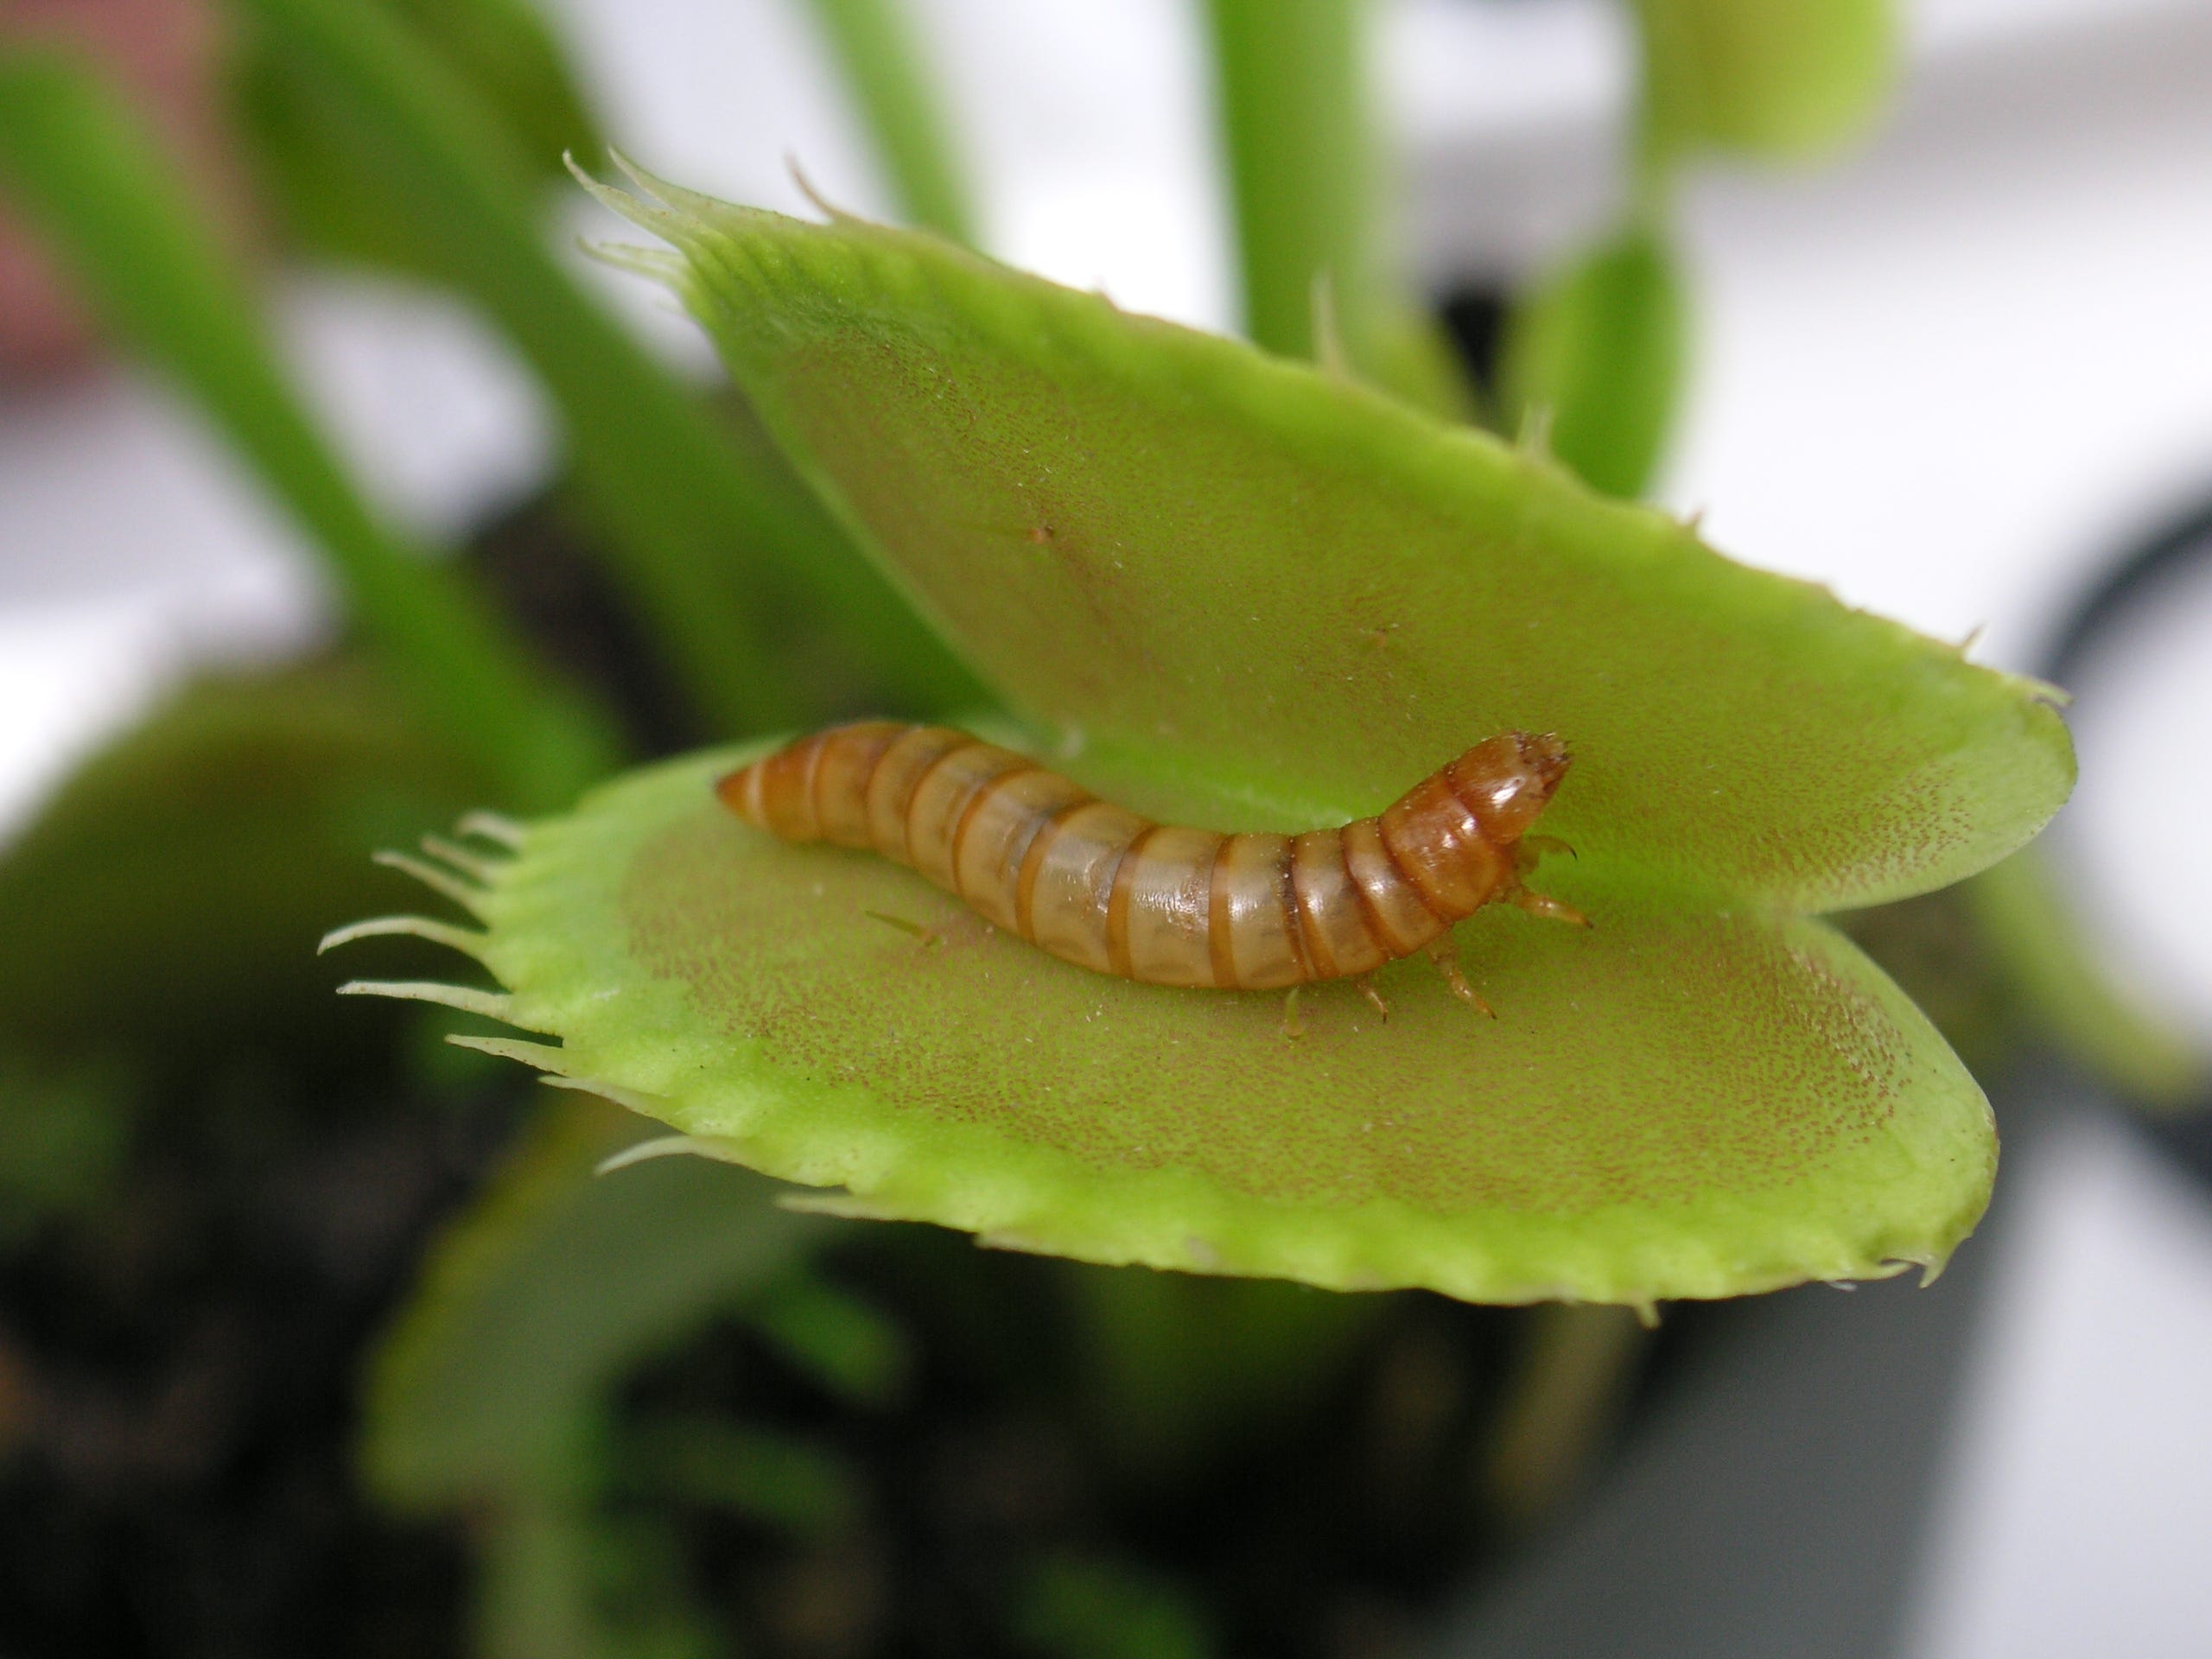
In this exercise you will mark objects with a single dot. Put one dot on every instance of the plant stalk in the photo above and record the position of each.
(1293, 89)
(1305, 178)
(884, 72)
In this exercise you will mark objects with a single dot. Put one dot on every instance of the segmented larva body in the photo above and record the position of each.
(1099, 885)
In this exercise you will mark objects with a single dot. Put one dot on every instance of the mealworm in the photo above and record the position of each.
(1099, 885)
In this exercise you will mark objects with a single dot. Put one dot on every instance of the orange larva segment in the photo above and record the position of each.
(1254, 927)
(943, 797)
(1338, 941)
(1434, 840)
(1163, 905)
(1506, 781)
(787, 790)
(844, 764)
(1396, 910)
(1068, 877)
(890, 790)
(995, 836)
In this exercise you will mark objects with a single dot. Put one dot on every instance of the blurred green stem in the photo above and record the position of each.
(884, 73)
(1293, 113)
(2028, 917)
(1574, 1377)
(81, 166)
(1306, 175)
(535, 1599)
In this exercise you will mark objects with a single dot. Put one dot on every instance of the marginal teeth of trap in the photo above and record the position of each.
(645, 214)
(1931, 1267)
(689, 201)
(634, 1100)
(543, 1056)
(467, 941)
(654, 264)
(850, 1206)
(483, 871)
(492, 1005)
(468, 896)
(666, 1146)
(491, 826)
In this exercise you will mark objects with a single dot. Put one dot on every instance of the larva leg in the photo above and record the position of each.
(925, 937)
(1447, 960)
(1293, 1018)
(1551, 910)
(1530, 848)
(1367, 989)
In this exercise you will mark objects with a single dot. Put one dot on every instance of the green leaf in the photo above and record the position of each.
(559, 1580)
(1181, 1371)
(1597, 350)
(1682, 1103)
(492, 1382)
(758, 1473)
(161, 904)
(1233, 592)
(83, 168)
(840, 1340)
(1777, 78)
(1216, 578)
(1301, 161)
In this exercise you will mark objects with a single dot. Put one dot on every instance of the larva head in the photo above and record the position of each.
(1507, 780)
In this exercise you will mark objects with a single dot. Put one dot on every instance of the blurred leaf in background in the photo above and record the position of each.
(493, 1393)
(1595, 357)
(165, 283)
(1786, 79)
(159, 905)
(559, 1281)
(1078, 1607)
(314, 180)
(64, 1134)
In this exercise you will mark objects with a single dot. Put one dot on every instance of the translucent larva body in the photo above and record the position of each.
(1099, 885)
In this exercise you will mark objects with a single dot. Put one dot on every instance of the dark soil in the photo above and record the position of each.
(1329, 1526)
(178, 1380)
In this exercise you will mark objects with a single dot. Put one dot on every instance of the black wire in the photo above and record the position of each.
(2178, 546)
(2175, 550)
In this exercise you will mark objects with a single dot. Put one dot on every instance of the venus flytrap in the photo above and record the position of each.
(1231, 591)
